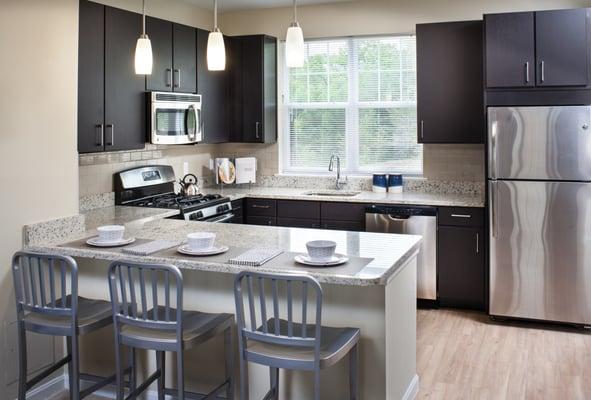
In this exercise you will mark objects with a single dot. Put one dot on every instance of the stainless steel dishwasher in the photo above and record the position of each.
(413, 221)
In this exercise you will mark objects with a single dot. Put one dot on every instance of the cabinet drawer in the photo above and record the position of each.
(343, 211)
(353, 226)
(261, 220)
(300, 209)
(461, 216)
(261, 207)
(298, 222)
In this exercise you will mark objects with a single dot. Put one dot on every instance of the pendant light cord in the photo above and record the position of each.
(215, 15)
(143, 18)
(295, 12)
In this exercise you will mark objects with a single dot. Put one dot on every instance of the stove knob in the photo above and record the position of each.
(220, 209)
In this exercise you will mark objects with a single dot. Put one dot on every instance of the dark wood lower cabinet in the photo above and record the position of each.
(258, 220)
(461, 267)
(354, 226)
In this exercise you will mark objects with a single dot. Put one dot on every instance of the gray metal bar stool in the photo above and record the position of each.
(280, 343)
(146, 318)
(47, 302)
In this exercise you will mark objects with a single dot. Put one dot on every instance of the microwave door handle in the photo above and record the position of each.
(191, 130)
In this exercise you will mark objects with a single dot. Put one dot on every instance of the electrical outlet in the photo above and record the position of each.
(211, 164)
(185, 167)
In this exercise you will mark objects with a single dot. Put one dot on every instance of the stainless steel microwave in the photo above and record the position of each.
(175, 118)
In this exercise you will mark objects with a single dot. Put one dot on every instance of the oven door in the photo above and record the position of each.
(223, 218)
(175, 123)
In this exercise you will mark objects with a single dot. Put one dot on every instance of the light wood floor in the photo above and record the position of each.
(464, 356)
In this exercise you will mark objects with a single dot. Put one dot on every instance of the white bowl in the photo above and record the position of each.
(321, 250)
(201, 240)
(111, 233)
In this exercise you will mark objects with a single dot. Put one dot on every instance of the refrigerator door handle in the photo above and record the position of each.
(493, 208)
(493, 149)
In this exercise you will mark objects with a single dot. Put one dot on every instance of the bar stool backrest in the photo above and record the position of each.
(45, 284)
(137, 300)
(252, 288)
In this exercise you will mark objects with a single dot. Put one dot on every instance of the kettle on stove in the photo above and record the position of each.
(189, 185)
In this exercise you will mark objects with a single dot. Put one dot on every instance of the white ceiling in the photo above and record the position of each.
(235, 5)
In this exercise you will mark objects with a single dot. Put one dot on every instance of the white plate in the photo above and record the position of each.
(185, 249)
(337, 259)
(95, 241)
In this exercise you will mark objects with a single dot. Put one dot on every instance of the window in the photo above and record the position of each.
(356, 98)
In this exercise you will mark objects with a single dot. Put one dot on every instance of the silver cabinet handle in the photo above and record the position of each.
(527, 72)
(100, 135)
(477, 243)
(168, 77)
(177, 83)
(493, 207)
(461, 216)
(257, 206)
(543, 71)
(422, 129)
(256, 129)
(111, 141)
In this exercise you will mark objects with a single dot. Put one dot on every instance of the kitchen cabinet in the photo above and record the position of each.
(174, 57)
(238, 211)
(261, 220)
(450, 82)
(342, 216)
(111, 108)
(542, 49)
(461, 258)
(253, 88)
(214, 88)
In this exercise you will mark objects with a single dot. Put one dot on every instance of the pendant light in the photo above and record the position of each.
(216, 51)
(143, 49)
(294, 42)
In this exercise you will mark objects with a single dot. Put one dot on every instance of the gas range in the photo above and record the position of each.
(153, 186)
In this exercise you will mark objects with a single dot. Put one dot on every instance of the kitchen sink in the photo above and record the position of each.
(336, 193)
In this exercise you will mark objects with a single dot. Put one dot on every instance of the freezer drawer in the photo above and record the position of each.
(540, 143)
(540, 250)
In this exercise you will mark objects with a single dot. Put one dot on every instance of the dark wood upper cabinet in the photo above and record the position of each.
(125, 114)
(254, 88)
(450, 82)
(510, 50)
(91, 78)
(184, 58)
(562, 47)
(537, 49)
(214, 88)
(160, 33)
(175, 57)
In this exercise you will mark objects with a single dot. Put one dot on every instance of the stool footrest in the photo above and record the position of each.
(199, 396)
(99, 382)
(42, 375)
(144, 385)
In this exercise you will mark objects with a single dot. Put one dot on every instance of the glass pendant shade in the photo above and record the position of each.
(143, 56)
(294, 46)
(216, 51)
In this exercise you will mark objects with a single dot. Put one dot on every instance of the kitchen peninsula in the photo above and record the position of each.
(375, 291)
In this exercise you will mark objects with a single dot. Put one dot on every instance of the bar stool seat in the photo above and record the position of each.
(92, 315)
(335, 343)
(198, 327)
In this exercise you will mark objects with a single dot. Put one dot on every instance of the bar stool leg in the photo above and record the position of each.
(354, 372)
(180, 371)
(133, 373)
(274, 372)
(119, 367)
(317, 383)
(229, 348)
(75, 368)
(22, 365)
(243, 378)
(161, 365)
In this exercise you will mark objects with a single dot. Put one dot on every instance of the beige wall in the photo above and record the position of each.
(38, 160)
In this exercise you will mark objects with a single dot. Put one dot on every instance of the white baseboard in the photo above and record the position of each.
(48, 389)
(413, 389)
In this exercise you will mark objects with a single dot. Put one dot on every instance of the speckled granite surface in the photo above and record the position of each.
(95, 201)
(410, 198)
(122, 215)
(387, 252)
(56, 230)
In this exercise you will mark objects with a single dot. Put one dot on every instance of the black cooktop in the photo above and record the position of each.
(177, 201)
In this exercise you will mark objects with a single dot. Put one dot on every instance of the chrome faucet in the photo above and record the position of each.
(338, 184)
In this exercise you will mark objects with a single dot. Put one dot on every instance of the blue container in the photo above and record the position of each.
(380, 183)
(395, 183)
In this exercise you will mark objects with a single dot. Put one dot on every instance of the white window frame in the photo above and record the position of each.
(351, 108)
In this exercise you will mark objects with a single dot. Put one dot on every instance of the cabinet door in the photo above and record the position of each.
(91, 77)
(298, 222)
(449, 83)
(124, 90)
(270, 90)
(461, 267)
(256, 220)
(160, 33)
(561, 47)
(213, 86)
(252, 89)
(184, 59)
(353, 226)
(509, 42)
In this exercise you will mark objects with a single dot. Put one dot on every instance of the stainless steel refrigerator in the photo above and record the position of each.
(539, 181)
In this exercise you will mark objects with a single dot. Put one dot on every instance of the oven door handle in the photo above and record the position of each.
(224, 218)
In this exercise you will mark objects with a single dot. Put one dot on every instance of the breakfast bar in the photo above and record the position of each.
(375, 291)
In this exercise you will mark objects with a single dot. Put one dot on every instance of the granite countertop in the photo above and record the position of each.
(409, 198)
(375, 257)
(124, 215)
